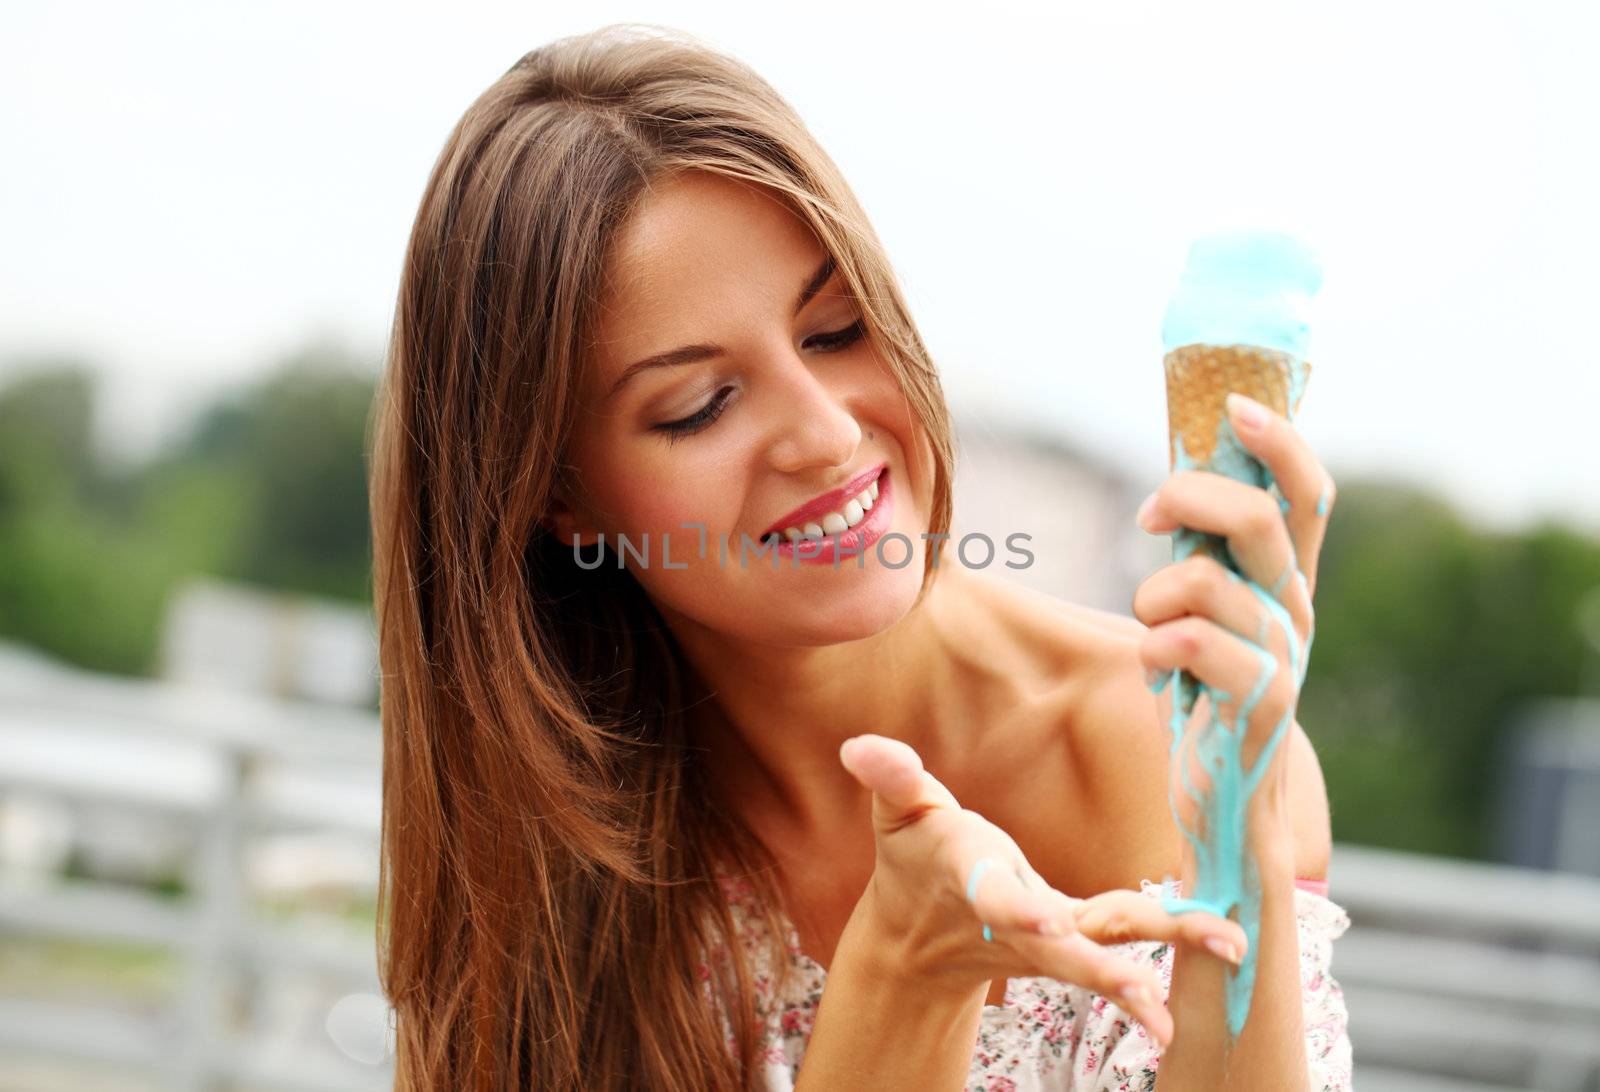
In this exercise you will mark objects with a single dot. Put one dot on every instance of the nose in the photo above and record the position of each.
(815, 425)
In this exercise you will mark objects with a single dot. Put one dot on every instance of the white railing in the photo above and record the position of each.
(232, 770)
(1468, 971)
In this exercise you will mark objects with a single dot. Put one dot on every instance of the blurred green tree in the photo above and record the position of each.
(267, 488)
(71, 582)
(279, 471)
(1429, 633)
(46, 434)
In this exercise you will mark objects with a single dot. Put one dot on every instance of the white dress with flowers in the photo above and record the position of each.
(1049, 1036)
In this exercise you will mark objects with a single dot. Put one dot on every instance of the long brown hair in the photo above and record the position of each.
(548, 889)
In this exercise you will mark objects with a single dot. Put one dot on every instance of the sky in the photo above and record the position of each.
(192, 191)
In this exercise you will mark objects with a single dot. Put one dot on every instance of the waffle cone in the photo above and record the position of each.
(1199, 379)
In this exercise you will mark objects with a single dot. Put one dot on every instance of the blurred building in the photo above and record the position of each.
(245, 640)
(1076, 509)
(1549, 807)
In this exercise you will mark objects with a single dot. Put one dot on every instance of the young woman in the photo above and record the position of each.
(644, 789)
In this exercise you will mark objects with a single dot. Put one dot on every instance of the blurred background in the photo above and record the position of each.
(204, 209)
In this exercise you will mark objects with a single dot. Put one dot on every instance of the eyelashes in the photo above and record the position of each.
(841, 339)
(831, 342)
(700, 418)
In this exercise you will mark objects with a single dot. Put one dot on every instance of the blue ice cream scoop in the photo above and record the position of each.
(1244, 288)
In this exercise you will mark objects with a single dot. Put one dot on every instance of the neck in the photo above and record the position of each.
(776, 715)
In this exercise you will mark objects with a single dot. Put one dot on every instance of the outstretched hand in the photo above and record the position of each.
(929, 850)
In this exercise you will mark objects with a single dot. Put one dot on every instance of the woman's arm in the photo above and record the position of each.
(876, 1030)
(1289, 837)
(1270, 1052)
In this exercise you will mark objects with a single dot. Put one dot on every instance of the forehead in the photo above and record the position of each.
(699, 248)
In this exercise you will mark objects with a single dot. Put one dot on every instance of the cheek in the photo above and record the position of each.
(693, 481)
(893, 408)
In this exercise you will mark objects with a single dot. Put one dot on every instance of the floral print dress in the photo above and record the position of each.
(1048, 1036)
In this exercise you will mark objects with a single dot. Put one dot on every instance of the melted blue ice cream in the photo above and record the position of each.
(1226, 878)
(1240, 288)
(1244, 288)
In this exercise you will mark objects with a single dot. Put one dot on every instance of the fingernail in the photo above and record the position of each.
(1222, 949)
(1247, 411)
(1145, 509)
(1050, 927)
(1136, 995)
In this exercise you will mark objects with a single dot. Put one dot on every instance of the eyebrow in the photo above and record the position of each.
(689, 354)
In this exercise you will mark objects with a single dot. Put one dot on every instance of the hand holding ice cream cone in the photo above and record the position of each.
(1219, 623)
(1231, 618)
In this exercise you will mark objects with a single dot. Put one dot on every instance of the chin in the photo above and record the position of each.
(824, 606)
(865, 604)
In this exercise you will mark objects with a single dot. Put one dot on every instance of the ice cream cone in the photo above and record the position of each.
(1199, 436)
(1199, 379)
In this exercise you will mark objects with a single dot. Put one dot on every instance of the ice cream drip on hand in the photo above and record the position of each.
(1241, 302)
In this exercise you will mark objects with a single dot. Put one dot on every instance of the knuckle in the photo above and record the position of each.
(1188, 632)
(1265, 515)
(1201, 575)
(1118, 927)
(1162, 641)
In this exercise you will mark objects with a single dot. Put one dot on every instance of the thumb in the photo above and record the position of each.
(901, 788)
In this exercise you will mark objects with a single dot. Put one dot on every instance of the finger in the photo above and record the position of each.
(1053, 912)
(1117, 917)
(1136, 989)
(1072, 957)
(1245, 515)
(1058, 903)
(1236, 671)
(901, 789)
(1307, 488)
(1202, 585)
(1002, 898)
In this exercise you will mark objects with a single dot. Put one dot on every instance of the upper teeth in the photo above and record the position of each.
(854, 511)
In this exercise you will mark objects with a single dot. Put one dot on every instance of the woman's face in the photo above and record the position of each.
(778, 401)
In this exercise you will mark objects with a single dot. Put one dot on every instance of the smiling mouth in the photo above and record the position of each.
(853, 511)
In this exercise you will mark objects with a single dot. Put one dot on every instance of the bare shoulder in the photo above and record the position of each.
(1070, 629)
(1089, 809)
(1115, 757)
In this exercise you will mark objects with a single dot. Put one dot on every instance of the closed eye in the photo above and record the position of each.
(840, 339)
(830, 342)
(699, 419)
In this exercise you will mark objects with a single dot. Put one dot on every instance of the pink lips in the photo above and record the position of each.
(848, 544)
(832, 501)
